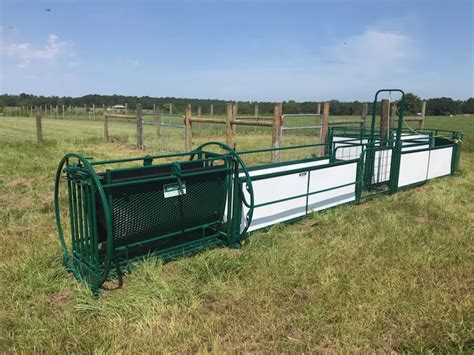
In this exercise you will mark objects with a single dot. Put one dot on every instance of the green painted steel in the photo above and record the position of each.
(119, 213)
(168, 209)
(372, 143)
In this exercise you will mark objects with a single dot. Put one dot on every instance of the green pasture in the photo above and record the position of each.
(394, 274)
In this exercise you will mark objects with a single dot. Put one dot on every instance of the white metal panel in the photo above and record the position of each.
(273, 189)
(331, 198)
(413, 167)
(287, 167)
(270, 171)
(276, 188)
(420, 138)
(323, 179)
(440, 162)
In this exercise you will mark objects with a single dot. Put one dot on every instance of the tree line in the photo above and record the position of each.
(435, 106)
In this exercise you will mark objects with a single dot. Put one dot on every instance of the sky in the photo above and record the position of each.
(265, 50)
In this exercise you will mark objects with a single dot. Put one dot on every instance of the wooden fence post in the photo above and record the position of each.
(139, 127)
(276, 134)
(126, 108)
(324, 128)
(228, 125)
(423, 112)
(318, 108)
(393, 109)
(212, 109)
(235, 111)
(188, 132)
(106, 127)
(363, 115)
(170, 108)
(384, 120)
(39, 129)
(157, 111)
(256, 112)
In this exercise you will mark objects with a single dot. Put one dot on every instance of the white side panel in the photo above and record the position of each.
(275, 170)
(440, 162)
(286, 167)
(420, 138)
(413, 168)
(323, 179)
(277, 188)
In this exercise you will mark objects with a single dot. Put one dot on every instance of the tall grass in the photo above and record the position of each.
(391, 275)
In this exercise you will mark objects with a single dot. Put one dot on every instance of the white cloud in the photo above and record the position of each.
(26, 53)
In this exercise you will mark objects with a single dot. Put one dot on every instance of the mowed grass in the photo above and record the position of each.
(393, 274)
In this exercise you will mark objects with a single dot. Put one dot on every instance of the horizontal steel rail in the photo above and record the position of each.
(171, 176)
(304, 195)
(243, 152)
(304, 169)
(284, 128)
(161, 124)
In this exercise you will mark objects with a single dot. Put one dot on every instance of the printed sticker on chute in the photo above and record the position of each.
(172, 190)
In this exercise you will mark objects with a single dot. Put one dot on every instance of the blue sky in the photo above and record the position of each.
(240, 50)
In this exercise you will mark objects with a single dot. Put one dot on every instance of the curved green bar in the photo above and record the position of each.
(94, 266)
(109, 243)
(248, 180)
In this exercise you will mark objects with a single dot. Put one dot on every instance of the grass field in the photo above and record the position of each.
(394, 274)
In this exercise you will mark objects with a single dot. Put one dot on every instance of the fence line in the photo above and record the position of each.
(232, 120)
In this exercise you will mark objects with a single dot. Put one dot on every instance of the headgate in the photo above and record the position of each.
(124, 209)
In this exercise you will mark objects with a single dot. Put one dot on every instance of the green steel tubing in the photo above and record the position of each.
(109, 247)
(204, 160)
(299, 170)
(127, 160)
(164, 236)
(302, 195)
(172, 176)
(243, 152)
(286, 163)
(248, 180)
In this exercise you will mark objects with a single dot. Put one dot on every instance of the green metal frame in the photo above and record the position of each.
(93, 261)
(394, 143)
(99, 246)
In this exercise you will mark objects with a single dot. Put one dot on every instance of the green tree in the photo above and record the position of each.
(412, 104)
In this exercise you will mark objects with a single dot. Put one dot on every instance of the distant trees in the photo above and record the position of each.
(435, 106)
(412, 104)
(444, 106)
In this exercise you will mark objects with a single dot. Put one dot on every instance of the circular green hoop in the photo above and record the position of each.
(103, 199)
(248, 180)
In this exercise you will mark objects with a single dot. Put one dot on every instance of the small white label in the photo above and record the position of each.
(172, 190)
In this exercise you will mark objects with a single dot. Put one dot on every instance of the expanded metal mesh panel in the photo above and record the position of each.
(144, 211)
